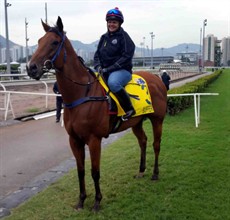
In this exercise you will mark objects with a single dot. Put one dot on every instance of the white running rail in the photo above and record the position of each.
(8, 106)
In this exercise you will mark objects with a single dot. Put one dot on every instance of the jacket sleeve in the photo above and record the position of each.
(55, 88)
(127, 54)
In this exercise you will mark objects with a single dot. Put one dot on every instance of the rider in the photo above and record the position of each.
(113, 59)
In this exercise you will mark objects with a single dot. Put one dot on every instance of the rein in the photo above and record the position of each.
(49, 64)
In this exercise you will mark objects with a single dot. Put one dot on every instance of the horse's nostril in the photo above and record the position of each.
(32, 70)
(33, 67)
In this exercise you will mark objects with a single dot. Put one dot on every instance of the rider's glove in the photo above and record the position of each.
(99, 70)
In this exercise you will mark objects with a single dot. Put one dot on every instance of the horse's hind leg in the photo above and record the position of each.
(157, 131)
(78, 149)
(142, 140)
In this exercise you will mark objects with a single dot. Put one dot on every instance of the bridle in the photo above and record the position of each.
(49, 64)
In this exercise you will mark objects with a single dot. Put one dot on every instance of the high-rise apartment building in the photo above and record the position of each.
(216, 52)
(226, 51)
(209, 50)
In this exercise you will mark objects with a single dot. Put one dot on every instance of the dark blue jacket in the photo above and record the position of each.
(115, 51)
(166, 80)
(56, 91)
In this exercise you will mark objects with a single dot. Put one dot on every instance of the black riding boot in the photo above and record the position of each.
(126, 104)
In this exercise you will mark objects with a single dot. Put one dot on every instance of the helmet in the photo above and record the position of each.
(115, 14)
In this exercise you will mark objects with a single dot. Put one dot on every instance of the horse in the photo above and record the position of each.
(88, 121)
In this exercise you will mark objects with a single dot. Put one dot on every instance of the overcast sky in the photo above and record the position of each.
(172, 21)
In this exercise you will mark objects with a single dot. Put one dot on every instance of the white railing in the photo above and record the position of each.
(16, 76)
(196, 103)
(40, 81)
(7, 105)
(196, 96)
(13, 76)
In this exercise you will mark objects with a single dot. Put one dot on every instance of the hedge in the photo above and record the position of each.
(179, 103)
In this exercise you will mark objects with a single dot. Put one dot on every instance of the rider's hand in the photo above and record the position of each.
(104, 70)
(99, 70)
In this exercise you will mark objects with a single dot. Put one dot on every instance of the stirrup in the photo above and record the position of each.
(128, 114)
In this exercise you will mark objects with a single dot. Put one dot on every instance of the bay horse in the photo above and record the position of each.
(88, 121)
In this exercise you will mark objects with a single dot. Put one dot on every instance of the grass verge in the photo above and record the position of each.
(33, 110)
(194, 173)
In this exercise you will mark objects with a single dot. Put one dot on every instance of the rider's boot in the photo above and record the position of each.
(126, 104)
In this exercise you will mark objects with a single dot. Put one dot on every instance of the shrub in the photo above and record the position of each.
(179, 103)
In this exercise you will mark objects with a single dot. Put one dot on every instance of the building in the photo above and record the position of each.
(216, 52)
(209, 50)
(225, 48)
(16, 53)
(146, 61)
(188, 57)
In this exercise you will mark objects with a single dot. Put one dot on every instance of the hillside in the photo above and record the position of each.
(78, 45)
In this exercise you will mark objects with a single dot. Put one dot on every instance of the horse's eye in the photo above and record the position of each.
(55, 43)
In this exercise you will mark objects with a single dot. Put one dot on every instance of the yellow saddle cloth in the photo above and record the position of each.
(138, 91)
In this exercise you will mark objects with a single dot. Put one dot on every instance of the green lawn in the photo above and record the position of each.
(194, 173)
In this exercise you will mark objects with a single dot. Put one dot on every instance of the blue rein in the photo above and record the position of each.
(83, 99)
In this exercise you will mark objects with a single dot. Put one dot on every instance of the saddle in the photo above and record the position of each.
(137, 89)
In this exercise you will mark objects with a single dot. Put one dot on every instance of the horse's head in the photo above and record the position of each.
(49, 48)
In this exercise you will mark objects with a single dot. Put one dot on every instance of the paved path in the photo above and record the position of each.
(34, 154)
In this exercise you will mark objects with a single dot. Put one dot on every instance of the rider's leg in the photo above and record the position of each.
(117, 81)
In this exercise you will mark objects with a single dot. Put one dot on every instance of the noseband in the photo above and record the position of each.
(49, 64)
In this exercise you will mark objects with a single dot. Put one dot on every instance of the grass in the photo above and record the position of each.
(33, 110)
(194, 173)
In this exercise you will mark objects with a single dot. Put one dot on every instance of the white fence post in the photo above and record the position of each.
(198, 110)
(8, 104)
(195, 110)
(46, 97)
(196, 103)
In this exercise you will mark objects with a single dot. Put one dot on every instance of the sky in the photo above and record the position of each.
(172, 21)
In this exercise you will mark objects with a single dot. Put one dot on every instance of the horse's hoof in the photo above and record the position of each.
(154, 177)
(138, 176)
(96, 207)
(79, 206)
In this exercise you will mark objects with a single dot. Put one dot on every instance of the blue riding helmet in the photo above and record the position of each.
(115, 14)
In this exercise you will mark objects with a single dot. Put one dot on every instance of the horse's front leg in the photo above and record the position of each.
(142, 140)
(95, 154)
(78, 149)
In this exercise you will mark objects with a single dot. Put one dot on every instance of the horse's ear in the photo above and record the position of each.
(45, 26)
(59, 24)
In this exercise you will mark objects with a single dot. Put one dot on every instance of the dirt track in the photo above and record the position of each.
(24, 105)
